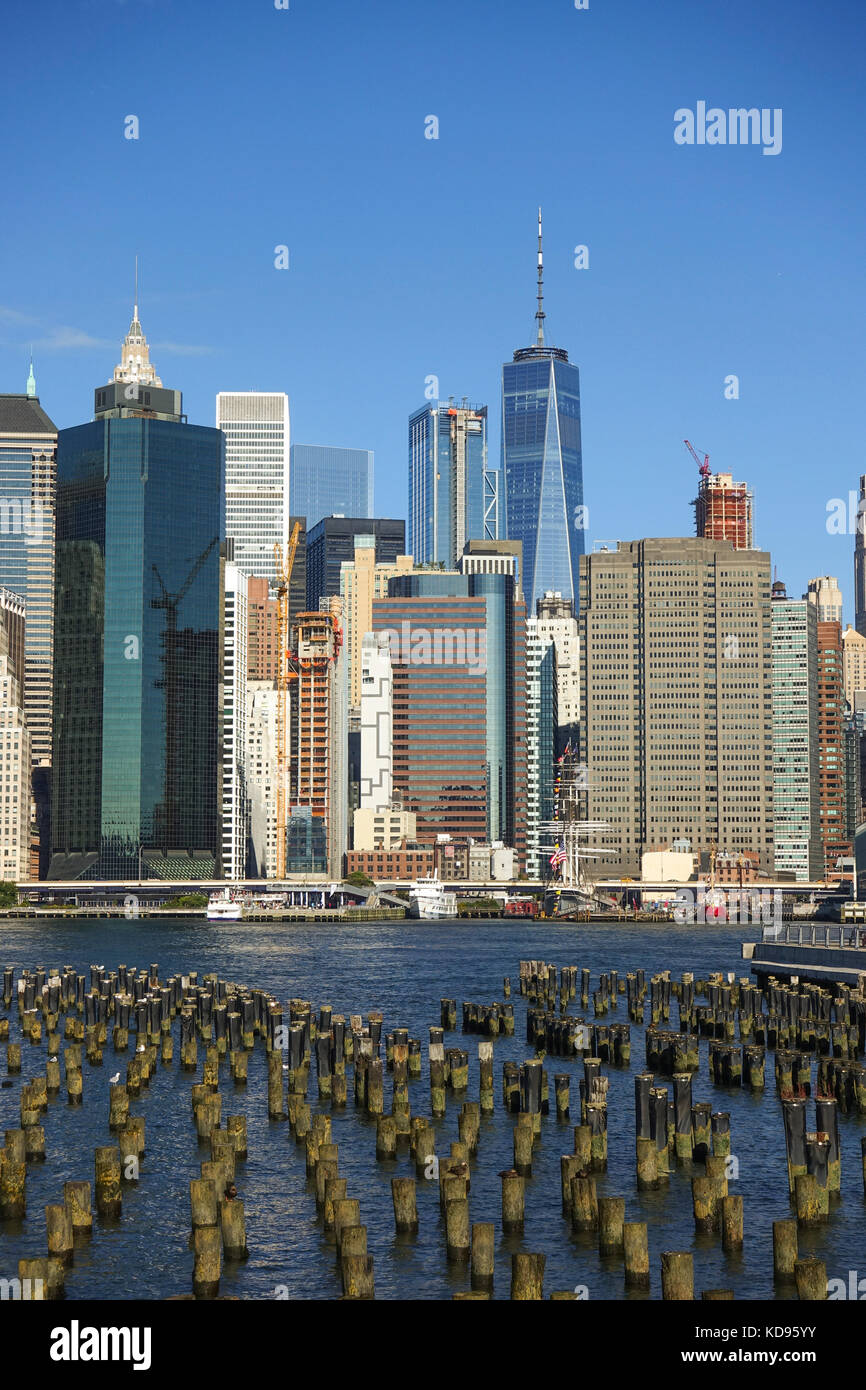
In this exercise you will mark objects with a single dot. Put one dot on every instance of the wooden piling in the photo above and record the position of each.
(512, 1202)
(678, 1276)
(611, 1219)
(584, 1204)
(59, 1227)
(527, 1276)
(107, 1186)
(732, 1222)
(206, 1261)
(785, 1251)
(457, 1230)
(811, 1279)
(635, 1246)
(483, 1250)
(356, 1272)
(403, 1193)
(76, 1196)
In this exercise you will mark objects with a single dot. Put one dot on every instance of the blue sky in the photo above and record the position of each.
(410, 257)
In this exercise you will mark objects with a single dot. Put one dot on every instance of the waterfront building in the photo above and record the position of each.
(332, 541)
(453, 494)
(137, 644)
(331, 482)
(459, 721)
(261, 772)
(556, 620)
(235, 801)
(15, 756)
(831, 746)
(381, 828)
(362, 580)
(860, 560)
(676, 698)
(318, 829)
(796, 819)
(401, 865)
(542, 722)
(376, 740)
(542, 467)
(28, 467)
(256, 429)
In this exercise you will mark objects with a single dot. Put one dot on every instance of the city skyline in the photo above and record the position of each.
(734, 264)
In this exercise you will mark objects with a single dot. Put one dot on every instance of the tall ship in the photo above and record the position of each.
(570, 889)
(429, 900)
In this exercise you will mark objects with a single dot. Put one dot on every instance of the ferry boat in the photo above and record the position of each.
(220, 908)
(429, 900)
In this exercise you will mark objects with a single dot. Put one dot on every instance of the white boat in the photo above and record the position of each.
(220, 908)
(429, 900)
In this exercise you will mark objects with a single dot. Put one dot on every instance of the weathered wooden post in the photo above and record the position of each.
(76, 1195)
(636, 1254)
(107, 1186)
(356, 1272)
(611, 1219)
(512, 1202)
(811, 1279)
(403, 1193)
(678, 1276)
(206, 1261)
(527, 1276)
(233, 1228)
(457, 1230)
(59, 1227)
(732, 1222)
(483, 1252)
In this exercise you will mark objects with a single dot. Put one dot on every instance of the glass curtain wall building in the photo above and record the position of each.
(331, 482)
(453, 495)
(138, 656)
(542, 466)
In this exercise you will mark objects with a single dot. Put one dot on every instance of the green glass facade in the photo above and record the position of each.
(140, 518)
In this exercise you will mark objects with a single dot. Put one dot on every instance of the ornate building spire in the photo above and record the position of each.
(135, 363)
(31, 378)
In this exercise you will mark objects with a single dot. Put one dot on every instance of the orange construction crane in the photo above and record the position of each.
(284, 575)
(703, 468)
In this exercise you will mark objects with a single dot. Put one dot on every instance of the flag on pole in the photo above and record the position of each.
(559, 856)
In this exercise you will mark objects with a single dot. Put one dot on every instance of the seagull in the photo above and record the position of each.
(115, 1078)
(141, 1048)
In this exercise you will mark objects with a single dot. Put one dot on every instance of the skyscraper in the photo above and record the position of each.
(676, 698)
(331, 482)
(860, 561)
(318, 821)
(556, 620)
(723, 510)
(256, 427)
(796, 822)
(28, 464)
(15, 771)
(458, 644)
(541, 462)
(362, 580)
(541, 729)
(332, 541)
(831, 745)
(235, 831)
(138, 660)
(453, 495)
(826, 596)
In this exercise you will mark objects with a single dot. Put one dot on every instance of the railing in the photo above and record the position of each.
(815, 934)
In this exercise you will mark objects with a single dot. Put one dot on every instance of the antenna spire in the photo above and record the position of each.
(539, 313)
(31, 379)
(135, 310)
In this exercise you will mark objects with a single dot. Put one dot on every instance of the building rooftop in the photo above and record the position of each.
(20, 414)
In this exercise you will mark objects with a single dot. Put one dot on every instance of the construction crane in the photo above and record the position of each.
(283, 569)
(703, 468)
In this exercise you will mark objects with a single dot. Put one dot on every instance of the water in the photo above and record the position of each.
(402, 969)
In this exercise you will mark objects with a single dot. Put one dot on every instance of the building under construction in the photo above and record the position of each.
(723, 511)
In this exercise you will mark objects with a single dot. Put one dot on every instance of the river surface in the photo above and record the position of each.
(402, 969)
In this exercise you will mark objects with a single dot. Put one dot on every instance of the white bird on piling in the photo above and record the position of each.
(140, 1048)
(115, 1078)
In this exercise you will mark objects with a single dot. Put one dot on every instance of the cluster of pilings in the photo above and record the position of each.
(221, 1023)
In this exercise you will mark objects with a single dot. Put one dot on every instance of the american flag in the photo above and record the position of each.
(559, 856)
